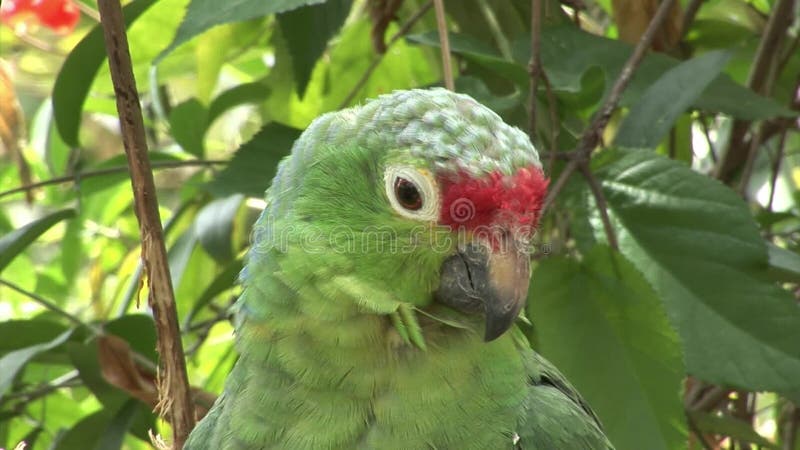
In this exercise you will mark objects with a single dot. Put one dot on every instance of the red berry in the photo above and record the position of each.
(58, 15)
(14, 11)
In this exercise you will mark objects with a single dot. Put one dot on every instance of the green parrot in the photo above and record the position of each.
(382, 288)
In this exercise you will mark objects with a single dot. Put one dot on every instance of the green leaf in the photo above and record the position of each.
(28, 333)
(479, 53)
(139, 331)
(104, 429)
(188, 123)
(16, 241)
(214, 226)
(96, 184)
(13, 362)
(76, 75)
(84, 357)
(696, 242)
(731, 427)
(254, 164)
(784, 265)
(602, 324)
(307, 31)
(111, 438)
(224, 281)
(655, 112)
(204, 14)
(254, 92)
(568, 52)
(179, 254)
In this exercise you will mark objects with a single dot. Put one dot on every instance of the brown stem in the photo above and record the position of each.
(688, 16)
(752, 153)
(559, 184)
(379, 57)
(776, 167)
(711, 399)
(698, 433)
(591, 136)
(108, 171)
(602, 205)
(552, 107)
(790, 431)
(444, 40)
(174, 395)
(535, 64)
(737, 153)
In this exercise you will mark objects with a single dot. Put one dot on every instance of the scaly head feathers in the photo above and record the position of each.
(423, 194)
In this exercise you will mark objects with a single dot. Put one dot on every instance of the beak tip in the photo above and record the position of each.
(496, 328)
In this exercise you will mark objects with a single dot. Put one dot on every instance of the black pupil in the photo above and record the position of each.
(407, 194)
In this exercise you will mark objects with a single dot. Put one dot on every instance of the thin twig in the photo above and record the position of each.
(494, 27)
(535, 64)
(405, 28)
(600, 201)
(94, 329)
(38, 43)
(552, 106)
(88, 11)
(711, 399)
(752, 153)
(47, 304)
(688, 17)
(758, 80)
(444, 40)
(591, 136)
(697, 432)
(790, 431)
(707, 133)
(174, 395)
(776, 167)
(108, 171)
(559, 184)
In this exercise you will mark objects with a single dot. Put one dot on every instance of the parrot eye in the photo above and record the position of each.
(407, 194)
(412, 192)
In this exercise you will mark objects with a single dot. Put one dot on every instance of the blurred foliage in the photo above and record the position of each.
(689, 331)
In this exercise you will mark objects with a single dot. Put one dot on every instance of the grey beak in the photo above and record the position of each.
(479, 280)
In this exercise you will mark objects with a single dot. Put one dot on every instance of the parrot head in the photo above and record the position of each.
(425, 193)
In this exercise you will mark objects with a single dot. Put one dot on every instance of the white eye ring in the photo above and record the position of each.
(425, 186)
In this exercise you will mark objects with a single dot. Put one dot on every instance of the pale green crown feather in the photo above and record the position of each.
(437, 125)
(347, 349)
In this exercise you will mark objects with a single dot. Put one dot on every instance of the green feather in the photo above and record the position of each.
(341, 343)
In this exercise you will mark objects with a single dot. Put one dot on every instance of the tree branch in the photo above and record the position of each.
(535, 64)
(379, 57)
(444, 39)
(591, 136)
(602, 206)
(737, 153)
(108, 171)
(174, 393)
(47, 304)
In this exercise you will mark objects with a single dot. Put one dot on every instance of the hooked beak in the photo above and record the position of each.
(493, 281)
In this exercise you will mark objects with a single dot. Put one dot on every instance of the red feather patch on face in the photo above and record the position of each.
(495, 200)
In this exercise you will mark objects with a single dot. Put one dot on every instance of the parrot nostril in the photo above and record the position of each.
(467, 270)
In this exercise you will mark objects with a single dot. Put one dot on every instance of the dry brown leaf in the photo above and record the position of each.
(633, 16)
(12, 127)
(120, 370)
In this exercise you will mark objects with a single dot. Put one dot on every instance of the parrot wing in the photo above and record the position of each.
(555, 416)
